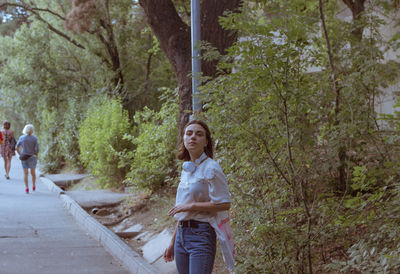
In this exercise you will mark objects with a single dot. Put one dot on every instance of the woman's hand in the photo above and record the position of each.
(180, 208)
(169, 253)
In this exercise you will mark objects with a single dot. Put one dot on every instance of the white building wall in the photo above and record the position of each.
(385, 103)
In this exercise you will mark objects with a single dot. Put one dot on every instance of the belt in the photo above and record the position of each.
(191, 223)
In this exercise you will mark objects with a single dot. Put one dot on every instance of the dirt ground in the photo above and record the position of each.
(150, 212)
(152, 215)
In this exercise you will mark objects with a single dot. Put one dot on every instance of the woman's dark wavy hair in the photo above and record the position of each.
(6, 125)
(183, 153)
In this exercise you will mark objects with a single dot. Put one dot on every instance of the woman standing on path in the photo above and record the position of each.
(28, 154)
(7, 147)
(202, 194)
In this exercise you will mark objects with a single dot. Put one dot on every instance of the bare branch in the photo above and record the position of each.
(335, 80)
(60, 33)
(28, 8)
(330, 56)
(35, 11)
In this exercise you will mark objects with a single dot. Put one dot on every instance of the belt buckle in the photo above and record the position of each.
(193, 223)
(188, 223)
(182, 223)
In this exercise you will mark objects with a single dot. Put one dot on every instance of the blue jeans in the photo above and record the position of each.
(195, 249)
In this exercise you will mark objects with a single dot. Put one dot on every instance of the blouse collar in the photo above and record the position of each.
(200, 159)
(190, 166)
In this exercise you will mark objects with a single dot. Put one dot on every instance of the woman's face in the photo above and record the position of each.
(195, 139)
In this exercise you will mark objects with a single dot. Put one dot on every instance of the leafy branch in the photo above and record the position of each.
(35, 11)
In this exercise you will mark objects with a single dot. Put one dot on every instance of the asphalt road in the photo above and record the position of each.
(37, 235)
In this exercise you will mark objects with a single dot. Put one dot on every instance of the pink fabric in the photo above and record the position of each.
(6, 150)
(224, 233)
(225, 227)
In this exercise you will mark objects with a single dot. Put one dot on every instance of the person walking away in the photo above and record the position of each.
(28, 149)
(1, 138)
(7, 148)
(201, 197)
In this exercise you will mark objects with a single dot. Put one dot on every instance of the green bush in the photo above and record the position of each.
(51, 156)
(375, 218)
(375, 210)
(153, 159)
(101, 141)
(279, 141)
(70, 138)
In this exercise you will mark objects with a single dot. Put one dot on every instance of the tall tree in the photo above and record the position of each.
(114, 33)
(62, 71)
(174, 37)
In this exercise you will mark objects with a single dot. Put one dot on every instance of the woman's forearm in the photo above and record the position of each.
(174, 235)
(209, 206)
(199, 206)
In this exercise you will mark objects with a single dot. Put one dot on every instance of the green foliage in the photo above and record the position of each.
(376, 216)
(69, 138)
(49, 132)
(279, 135)
(375, 211)
(101, 140)
(36, 89)
(278, 131)
(153, 161)
(264, 117)
(41, 70)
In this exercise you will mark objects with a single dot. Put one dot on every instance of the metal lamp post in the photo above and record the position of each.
(196, 62)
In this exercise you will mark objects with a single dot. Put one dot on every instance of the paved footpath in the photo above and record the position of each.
(37, 235)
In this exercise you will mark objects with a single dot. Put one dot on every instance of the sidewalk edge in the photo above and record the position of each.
(52, 186)
(118, 248)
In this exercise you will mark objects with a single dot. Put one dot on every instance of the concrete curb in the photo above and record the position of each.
(118, 248)
(52, 186)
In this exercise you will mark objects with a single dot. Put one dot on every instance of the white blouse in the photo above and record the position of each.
(204, 181)
(201, 181)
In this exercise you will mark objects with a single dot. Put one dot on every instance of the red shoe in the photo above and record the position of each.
(33, 188)
(27, 191)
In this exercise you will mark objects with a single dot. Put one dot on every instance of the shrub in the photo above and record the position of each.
(101, 140)
(153, 159)
(281, 144)
(70, 138)
(51, 156)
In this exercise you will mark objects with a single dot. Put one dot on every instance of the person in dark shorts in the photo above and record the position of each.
(28, 149)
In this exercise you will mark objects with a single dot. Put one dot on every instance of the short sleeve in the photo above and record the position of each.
(218, 187)
(37, 147)
(18, 143)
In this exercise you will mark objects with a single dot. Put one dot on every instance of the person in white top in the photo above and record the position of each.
(202, 193)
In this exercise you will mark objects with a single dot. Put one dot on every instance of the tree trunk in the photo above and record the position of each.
(342, 178)
(174, 37)
(211, 30)
(145, 89)
(357, 8)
